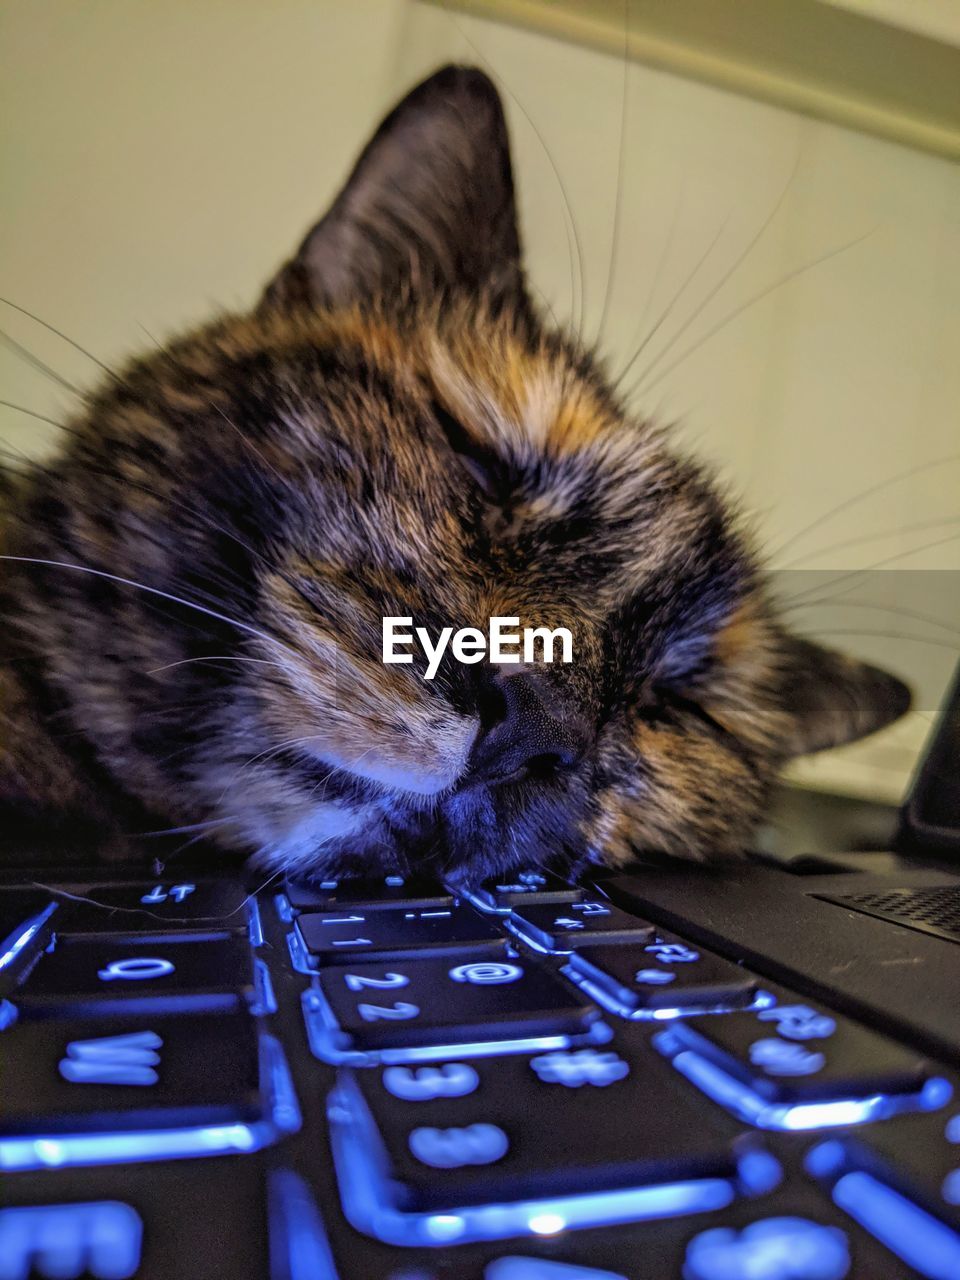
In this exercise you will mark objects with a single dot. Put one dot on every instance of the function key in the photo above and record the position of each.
(344, 937)
(662, 976)
(523, 887)
(94, 975)
(570, 926)
(793, 1065)
(172, 906)
(473, 1002)
(540, 1137)
(367, 894)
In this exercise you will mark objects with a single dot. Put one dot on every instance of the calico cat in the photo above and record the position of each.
(194, 590)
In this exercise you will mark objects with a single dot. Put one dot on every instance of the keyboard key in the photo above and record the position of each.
(919, 1157)
(299, 1249)
(368, 894)
(128, 1072)
(169, 907)
(100, 1238)
(523, 888)
(796, 1066)
(345, 937)
(26, 924)
(904, 1226)
(661, 977)
(90, 976)
(539, 1137)
(170, 1221)
(567, 927)
(421, 1008)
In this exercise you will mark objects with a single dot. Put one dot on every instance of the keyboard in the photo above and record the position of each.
(391, 1080)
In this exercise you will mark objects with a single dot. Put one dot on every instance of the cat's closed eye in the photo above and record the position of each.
(479, 460)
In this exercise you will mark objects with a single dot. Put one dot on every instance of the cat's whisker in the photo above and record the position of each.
(18, 455)
(738, 311)
(618, 194)
(219, 657)
(59, 333)
(861, 496)
(155, 591)
(197, 513)
(802, 562)
(731, 270)
(889, 635)
(895, 610)
(662, 259)
(578, 277)
(269, 752)
(668, 310)
(179, 831)
(35, 362)
(877, 564)
(251, 446)
(41, 417)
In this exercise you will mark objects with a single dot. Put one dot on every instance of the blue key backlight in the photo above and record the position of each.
(456, 1148)
(486, 973)
(780, 1058)
(113, 1060)
(799, 1022)
(101, 1239)
(772, 1249)
(136, 969)
(423, 1084)
(923, 1242)
(584, 1066)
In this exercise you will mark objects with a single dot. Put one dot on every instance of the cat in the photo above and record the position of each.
(194, 589)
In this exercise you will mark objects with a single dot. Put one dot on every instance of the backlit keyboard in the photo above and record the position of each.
(389, 1080)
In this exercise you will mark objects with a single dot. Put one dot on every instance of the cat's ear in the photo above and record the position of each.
(832, 699)
(429, 206)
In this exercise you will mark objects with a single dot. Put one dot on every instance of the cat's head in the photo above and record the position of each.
(396, 431)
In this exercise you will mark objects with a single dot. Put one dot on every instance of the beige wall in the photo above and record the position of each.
(160, 157)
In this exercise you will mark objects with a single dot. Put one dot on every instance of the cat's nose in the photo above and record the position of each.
(529, 731)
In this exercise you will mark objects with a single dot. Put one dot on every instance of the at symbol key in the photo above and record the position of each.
(403, 1010)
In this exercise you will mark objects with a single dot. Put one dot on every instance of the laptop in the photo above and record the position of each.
(681, 1073)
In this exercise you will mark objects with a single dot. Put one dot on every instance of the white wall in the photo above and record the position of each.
(161, 157)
